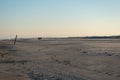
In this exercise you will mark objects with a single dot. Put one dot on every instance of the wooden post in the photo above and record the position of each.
(15, 39)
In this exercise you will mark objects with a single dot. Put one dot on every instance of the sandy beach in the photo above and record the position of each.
(60, 59)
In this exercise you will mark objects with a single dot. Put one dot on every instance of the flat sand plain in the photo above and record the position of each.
(60, 59)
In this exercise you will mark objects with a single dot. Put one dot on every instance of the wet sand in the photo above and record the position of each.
(61, 59)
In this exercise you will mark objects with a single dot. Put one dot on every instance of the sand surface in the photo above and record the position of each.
(60, 59)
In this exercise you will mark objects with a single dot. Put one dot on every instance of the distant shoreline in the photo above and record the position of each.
(97, 37)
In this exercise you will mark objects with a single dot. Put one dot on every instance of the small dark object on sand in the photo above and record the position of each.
(118, 75)
(39, 38)
(107, 54)
(84, 52)
(59, 79)
(67, 62)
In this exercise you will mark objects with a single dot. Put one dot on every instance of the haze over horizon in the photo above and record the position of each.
(59, 18)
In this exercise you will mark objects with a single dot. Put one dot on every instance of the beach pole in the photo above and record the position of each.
(15, 39)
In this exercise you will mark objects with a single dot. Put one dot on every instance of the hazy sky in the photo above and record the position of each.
(49, 18)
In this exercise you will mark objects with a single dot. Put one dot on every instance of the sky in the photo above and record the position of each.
(59, 18)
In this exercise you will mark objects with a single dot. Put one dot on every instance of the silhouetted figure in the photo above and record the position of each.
(15, 39)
